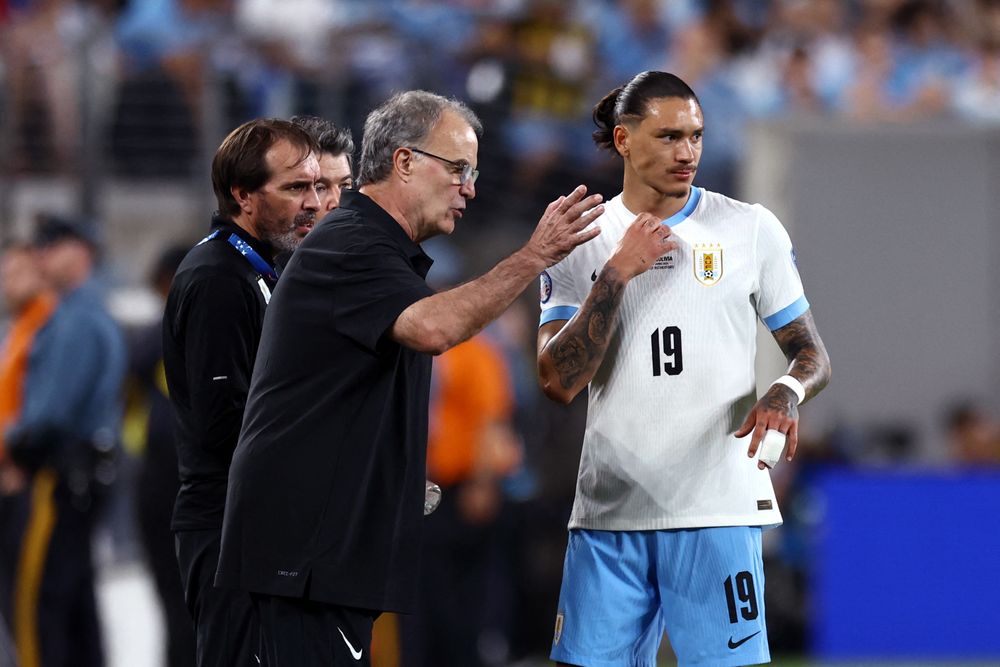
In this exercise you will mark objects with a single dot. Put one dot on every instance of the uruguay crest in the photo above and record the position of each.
(708, 263)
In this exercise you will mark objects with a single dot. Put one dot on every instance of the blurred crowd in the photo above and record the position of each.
(148, 79)
(149, 83)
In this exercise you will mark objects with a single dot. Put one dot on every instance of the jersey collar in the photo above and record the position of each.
(683, 214)
(680, 216)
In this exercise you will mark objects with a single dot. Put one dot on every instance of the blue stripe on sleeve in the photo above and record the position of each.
(787, 314)
(557, 313)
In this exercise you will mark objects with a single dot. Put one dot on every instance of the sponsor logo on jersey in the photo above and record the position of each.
(708, 263)
(545, 287)
(665, 262)
(559, 626)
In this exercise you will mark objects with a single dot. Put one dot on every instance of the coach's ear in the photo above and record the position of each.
(621, 136)
(242, 197)
(402, 163)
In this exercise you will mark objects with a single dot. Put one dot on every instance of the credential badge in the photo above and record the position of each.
(708, 263)
(545, 287)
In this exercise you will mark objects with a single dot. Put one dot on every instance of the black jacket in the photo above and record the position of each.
(211, 328)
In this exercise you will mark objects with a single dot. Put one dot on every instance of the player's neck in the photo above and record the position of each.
(643, 199)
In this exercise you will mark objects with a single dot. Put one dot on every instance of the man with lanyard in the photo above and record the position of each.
(264, 175)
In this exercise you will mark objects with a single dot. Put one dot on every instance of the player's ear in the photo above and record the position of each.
(621, 137)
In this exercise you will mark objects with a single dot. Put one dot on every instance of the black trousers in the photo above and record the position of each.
(304, 633)
(53, 609)
(226, 628)
(154, 505)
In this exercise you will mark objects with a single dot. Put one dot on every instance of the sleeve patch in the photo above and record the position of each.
(545, 287)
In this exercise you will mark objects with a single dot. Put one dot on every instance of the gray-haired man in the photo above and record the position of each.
(324, 512)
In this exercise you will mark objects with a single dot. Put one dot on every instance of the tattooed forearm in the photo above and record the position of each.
(806, 354)
(579, 348)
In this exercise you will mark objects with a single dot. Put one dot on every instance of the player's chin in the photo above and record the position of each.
(675, 189)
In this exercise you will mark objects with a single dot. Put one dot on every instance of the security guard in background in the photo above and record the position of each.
(63, 438)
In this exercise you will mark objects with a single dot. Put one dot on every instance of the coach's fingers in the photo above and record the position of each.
(568, 201)
(582, 208)
(587, 234)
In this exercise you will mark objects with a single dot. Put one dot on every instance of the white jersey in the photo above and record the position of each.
(678, 376)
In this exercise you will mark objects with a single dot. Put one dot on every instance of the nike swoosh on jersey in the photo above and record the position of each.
(357, 654)
(735, 645)
(593, 276)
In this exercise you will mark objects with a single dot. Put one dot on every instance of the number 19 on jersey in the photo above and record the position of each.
(668, 355)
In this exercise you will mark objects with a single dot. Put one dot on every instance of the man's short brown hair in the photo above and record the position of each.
(241, 160)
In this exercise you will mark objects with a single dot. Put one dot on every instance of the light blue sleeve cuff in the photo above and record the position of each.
(557, 313)
(787, 314)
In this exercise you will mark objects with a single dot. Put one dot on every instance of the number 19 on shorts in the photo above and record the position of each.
(741, 587)
(668, 355)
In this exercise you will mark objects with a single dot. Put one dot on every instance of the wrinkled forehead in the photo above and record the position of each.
(453, 138)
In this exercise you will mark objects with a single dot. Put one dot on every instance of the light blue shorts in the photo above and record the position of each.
(622, 590)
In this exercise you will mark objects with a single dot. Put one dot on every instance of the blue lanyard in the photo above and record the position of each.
(258, 262)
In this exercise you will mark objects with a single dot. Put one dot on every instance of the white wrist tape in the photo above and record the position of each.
(794, 385)
(771, 447)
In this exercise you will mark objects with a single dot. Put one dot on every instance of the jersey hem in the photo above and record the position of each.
(771, 519)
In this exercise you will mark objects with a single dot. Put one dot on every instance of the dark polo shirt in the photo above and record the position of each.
(326, 488)
(211, 328)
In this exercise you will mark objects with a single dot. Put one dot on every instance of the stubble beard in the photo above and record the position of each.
(288, 239)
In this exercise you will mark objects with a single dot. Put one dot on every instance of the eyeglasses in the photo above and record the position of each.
(464, 170)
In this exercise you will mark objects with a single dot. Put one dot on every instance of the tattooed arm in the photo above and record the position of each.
(569, 352)
(810, 365)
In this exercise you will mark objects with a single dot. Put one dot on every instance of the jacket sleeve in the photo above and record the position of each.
(220, 333)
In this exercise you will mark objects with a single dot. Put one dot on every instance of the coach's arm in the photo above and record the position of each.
(442, 321)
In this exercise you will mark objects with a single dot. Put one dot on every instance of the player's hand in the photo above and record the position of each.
(644, 241)
(776, 410)
(561, 227)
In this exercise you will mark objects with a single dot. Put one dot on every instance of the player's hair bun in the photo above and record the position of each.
(604, 119)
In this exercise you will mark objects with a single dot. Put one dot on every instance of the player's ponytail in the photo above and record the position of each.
(629, 103)
(605, 120)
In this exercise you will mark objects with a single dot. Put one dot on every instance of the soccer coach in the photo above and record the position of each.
(324, 508)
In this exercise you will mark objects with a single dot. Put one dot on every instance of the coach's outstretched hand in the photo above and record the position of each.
(563, 226)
